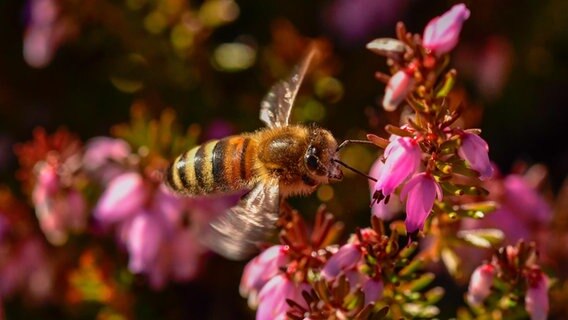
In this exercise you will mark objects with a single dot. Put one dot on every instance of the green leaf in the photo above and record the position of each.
(482, 238)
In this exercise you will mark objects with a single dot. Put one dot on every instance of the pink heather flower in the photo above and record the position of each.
(480, 284)
(420, 193)
(474, 150)
(536, 299)
(124, 196)
(344, 259)
(145, 236)
(260, 270)
(398, 87)
(522, 199)
(104, 158)
(186, 253)
(403, 157)
(272, 298)
(442, 33)
(373, 291)
(58, 209)
(381, 209)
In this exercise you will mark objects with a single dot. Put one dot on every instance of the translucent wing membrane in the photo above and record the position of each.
(276, 106)
(237, 232)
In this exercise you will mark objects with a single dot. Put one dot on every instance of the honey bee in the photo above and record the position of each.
(272, 163)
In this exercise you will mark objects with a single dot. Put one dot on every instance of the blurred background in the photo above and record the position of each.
(90, 65)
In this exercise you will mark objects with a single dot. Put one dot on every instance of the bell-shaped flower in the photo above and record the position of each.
(104, 156)
(344, 259)
(398, 87)
(260, 270)
(420, 192)
(480, 284)
(144, 239)
(536, 299)
(272, 298)
(442, 33)
(474, 150)
(123, 197)
(403, 157)
(373, 290)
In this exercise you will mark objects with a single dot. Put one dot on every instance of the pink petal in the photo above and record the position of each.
(261, 269)
(373, 291)
(480, 284)
(398, 87)
(143, 242)
(344, 259)
(403, 158)
(474, 150)
(124, 196)
(536, 300)
(272, 298)
(421, 192)
(441, 34)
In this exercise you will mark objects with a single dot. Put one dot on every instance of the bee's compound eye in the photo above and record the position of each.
(312, 161)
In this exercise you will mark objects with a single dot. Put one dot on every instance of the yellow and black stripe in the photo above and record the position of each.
(216, 166)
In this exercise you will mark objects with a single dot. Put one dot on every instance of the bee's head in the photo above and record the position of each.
(320, 155)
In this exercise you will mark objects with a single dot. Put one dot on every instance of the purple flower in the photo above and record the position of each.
(123, 197)
(441, 34)
(403, 157)
(474, 150)
(420, 191)
(59, 208)
(380, 209)
(536, 299)
(398, 87)
(480, 284)
(260, 270)
(344, 259)
(373, 290)
(186, 252)
(104, 156)
(145, 237)
(522, 199)
(272, 298)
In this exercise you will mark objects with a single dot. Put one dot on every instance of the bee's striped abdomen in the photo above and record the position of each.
(216, 166)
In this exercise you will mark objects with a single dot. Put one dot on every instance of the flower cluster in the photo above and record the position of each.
(306, 276)
(158, 229)
(425, 155)
(498, 286)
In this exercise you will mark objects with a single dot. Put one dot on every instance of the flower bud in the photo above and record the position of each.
(536, 299)
(442, 33)
(420, 191)
(480, 284)
(398, 87)
(474, 150)
(260, 270)
(344, 259)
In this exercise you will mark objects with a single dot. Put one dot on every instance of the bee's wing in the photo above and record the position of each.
(276, 106)
(236, 233)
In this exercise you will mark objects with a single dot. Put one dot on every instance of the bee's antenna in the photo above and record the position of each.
(346, 142)
(354, 170)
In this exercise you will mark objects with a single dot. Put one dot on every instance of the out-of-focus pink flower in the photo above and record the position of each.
(474, 150)
(420, 193)
(398, 87)
(124, 196)
(523, 199)
(403, 157)
(354, 21)
(480, 284)
(260, 270)
(144, 240)
(186, 252)
(344, 259)
(104, 156)
(373, 290)
(272, 298)
(536, 299)
(442, 33)
(58, 208)
(45, 32)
